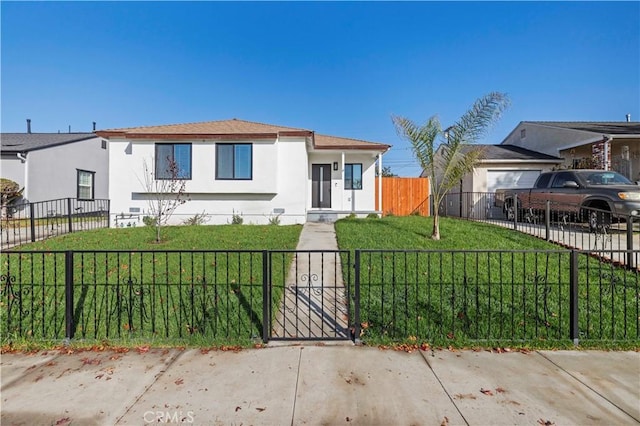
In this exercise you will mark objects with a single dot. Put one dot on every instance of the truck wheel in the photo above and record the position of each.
(509, 211)
(598, 220)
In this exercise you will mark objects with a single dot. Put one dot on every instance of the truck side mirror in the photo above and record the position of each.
(571, 184)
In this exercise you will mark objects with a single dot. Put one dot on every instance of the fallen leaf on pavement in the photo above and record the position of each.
(261, 409)
(486, 391)
(179, 381)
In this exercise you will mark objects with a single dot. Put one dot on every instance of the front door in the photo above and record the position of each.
(321, 185)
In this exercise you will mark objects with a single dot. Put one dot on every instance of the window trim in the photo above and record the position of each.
(233, 161)
(91, 187)
(173, 153)
(347, 165)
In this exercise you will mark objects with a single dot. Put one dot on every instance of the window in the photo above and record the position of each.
(562, 178)
(523, 133)
(543, 180)
(234, 161)
(353, 176)
(178, 154)
(85, 185)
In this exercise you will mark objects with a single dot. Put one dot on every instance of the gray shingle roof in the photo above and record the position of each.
(600, 127)
(511, 152)
(25, 142)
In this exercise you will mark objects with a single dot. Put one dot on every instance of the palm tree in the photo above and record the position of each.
(446, 156)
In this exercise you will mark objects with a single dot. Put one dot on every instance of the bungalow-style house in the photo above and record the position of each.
(600, 145)
(52, 166)
(236, 168)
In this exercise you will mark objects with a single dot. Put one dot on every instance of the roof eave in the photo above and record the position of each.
(381, 148)
(209, 136)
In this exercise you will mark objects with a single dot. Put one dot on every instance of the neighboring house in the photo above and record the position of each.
(501, 166)
(602, 145)
(56, 165)
(235, 167)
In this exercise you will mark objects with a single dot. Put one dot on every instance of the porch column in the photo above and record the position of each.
(380, 183)
(341, 190)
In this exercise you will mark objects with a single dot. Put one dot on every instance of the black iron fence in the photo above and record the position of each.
(616, 237)
(221, 296)
(29, 222)
(472, 296)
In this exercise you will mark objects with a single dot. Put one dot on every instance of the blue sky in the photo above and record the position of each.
(338, 68)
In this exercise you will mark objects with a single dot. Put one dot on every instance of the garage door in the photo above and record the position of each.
(511, 179)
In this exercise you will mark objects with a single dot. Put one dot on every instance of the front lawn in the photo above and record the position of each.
(203, 285)
(483, 283)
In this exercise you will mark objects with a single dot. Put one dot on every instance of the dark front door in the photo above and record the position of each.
(321, 185)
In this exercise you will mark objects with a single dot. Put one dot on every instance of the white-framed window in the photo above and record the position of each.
(85, 184)
(234, 161)
(353, 176)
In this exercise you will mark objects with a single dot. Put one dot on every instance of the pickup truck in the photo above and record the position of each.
(593, 195)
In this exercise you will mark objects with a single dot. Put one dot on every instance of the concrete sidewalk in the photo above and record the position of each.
(320, 385)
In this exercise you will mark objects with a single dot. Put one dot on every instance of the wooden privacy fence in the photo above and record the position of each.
(403, 196)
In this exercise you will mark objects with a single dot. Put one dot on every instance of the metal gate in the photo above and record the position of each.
(311, 302)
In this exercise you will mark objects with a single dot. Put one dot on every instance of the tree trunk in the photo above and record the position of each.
(435, 234)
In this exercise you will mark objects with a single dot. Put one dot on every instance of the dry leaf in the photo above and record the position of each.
(486, 391)
(179, 381)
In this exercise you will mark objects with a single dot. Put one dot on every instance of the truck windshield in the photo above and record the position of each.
(605, 178)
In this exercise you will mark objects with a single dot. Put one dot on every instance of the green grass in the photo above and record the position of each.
(224, 237)
(130, 290)
(436, 293)
(127, 288)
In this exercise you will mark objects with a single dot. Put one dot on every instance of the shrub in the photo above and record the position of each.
(373, 216)
(197, 219)
(236, 218)
(149, 221)
(275, 220)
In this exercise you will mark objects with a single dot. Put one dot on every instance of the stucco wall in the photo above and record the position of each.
(548, 140)
(279, 178)
(351, 199)
(52, 173)
(14, 169)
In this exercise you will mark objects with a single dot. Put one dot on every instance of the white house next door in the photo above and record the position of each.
(321, 185)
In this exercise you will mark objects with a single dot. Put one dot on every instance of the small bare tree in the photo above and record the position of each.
(165, 194)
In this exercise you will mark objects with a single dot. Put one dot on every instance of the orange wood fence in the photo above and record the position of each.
(402, 196)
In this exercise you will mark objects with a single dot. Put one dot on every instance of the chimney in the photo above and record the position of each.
(94, 126)
(28, 125)
(628, 118)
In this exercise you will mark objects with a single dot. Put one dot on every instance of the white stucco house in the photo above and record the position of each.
(52, 166)
(236, 167)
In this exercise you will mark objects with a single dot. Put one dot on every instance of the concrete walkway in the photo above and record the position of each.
(314, 304)
(321, 385)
